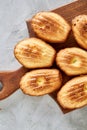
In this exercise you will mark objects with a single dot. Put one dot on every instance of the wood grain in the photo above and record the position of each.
(10, 81)
(68, 12)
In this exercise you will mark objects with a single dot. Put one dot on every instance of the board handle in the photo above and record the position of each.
(9, 81)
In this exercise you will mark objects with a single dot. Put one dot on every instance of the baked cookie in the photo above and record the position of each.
(73, 61)
(41, 81)
(79, 28)
(74, 93)
(50, 27)
(34, 53)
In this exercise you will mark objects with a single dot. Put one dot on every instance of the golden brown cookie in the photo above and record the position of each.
(74, 93)
(73, 61)
(41, 81)
(34, 53)
(79, 27)
(50, 27)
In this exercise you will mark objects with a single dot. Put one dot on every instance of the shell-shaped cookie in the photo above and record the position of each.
(79, 27)
(74, 93)
(41, 81)
(50, 27)
(34, 53)
(73, 61)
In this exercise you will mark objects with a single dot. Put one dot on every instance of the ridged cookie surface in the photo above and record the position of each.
(79, 27)
(50, 27)
(73, 61)
(34, 53)
(41, 81)
(74, 93)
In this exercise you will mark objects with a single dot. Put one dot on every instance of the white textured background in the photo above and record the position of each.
(21, 112)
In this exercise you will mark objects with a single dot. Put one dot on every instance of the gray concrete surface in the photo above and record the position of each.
(21, 112)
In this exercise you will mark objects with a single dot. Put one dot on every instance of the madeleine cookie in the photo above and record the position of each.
(34, 53)
(79, 27)
(73, 61)
(74, 93)
(41, 81)
(50, 27)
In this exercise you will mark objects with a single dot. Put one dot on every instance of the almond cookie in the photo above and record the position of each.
(34, 53)
(73, 61)
(79, 27)
(74, 93)
(50, 27)
(41, 81)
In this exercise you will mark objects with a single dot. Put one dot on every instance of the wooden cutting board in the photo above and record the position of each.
(10, 80)
(68, 12)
